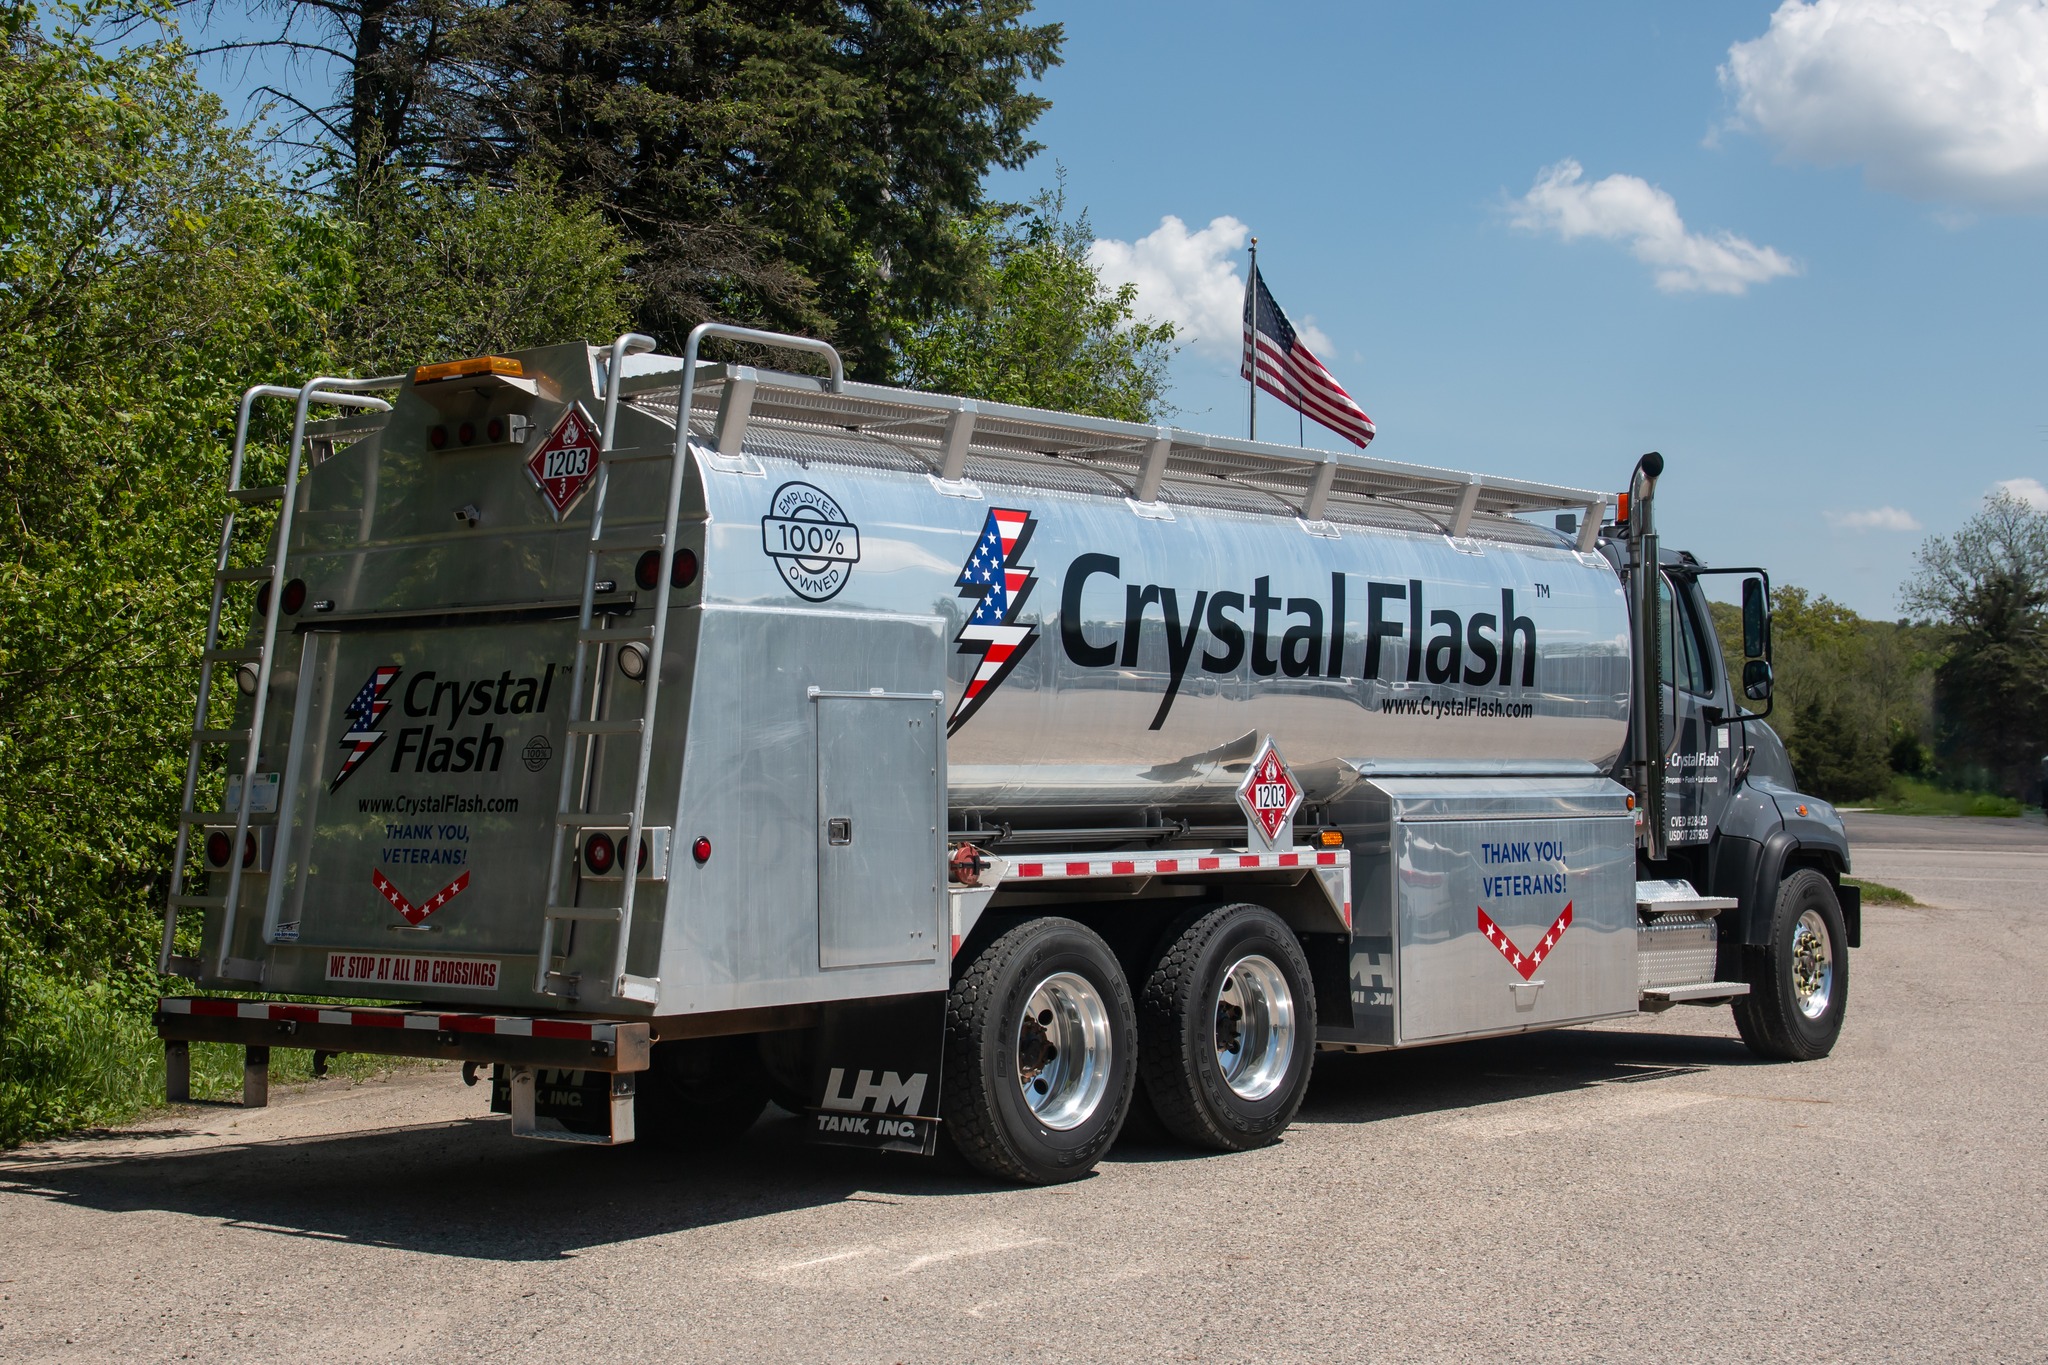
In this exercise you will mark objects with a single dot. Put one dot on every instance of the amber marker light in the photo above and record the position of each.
(463, 369)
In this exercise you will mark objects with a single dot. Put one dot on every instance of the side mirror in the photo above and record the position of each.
(1756, 632)
(1756, 675)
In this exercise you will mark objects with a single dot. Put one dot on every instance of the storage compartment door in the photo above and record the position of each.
(1486, 943)
(881, 839)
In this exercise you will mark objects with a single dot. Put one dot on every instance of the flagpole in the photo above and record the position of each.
(1252, 293)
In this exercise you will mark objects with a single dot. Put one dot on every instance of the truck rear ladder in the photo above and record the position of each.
(573, 813)
(333, 392)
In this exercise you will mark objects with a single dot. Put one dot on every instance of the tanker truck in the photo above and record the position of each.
(658, 738)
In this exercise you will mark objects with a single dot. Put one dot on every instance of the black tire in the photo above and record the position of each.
(1183, 1015)
(987, 1115)
(1780, 1018)
(699, 1093)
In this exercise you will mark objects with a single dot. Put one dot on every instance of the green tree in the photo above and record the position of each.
(1835, 755)
(1040, 327)
(150, 270)
(444, 270)
(145, 276)
(1988, 584)
(800, 166)
(395, 98)
(1852, 676)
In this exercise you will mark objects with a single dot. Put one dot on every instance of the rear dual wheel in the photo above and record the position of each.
(1041, 1043)
(1227, 1028)
(1045, 1045)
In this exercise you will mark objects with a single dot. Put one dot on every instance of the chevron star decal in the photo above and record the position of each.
(998, 585)
(1525, 963)
(413, 914)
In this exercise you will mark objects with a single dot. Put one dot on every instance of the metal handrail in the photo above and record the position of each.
(203, 706)
(664, 585)
(333, 391)
(628, 343)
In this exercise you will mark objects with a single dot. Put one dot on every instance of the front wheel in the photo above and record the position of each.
(1799, 978)
(1227, 1025)
(1040, 1044)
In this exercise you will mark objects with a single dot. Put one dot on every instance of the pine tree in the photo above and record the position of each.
(795, 165)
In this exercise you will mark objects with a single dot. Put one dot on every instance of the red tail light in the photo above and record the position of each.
(466, 433)
(294, 596)
(494, 430)
(681, 574)
(701, 850)
(263, 599)
(219, 841)
(599, 853)
(438, 438)
(640, 855)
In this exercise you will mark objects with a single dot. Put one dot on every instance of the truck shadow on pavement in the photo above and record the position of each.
(467, 1189)
(1364, 1087)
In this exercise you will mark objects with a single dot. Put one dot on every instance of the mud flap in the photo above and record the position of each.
(875, 1082)
(565, 1106)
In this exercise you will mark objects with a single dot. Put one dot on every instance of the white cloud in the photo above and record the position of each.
(1629, 208)
(1874, 519)
(1193, 280)
(1936, 99)
(2032, 492)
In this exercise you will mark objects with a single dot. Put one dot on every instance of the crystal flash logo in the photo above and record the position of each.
(362, 737)
(993, 575)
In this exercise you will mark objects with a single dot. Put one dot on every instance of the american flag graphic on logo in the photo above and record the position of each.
(362, 737)
(1000, 584)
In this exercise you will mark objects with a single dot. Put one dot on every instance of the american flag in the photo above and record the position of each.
(1290, 371)
(362, 735)
(999, 584)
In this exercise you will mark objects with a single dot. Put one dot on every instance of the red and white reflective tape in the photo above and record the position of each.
(507, 1025)
(1166, 864)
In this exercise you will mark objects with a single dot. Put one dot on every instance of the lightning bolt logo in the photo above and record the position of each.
(362, 737)
(998, 585)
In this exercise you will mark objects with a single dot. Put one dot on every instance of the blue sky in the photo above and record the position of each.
(1799, 250)
(1880, 370)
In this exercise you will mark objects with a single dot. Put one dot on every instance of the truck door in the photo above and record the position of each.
(1696, 774)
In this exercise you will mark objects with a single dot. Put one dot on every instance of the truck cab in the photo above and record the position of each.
(1722, 811)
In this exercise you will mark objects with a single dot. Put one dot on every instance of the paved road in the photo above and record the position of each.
(1634, 1192)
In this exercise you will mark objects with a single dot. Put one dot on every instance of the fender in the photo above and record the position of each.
(1752, 872)
(1762, 898)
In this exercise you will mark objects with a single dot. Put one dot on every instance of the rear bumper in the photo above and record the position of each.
(514, 1039)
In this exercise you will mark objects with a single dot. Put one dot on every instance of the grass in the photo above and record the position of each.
(76, 1055)
(1877, 893)
(1912, 796)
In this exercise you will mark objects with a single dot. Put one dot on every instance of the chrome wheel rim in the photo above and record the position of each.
(1063, 1050)
(1813, 965)
(1254, 1027)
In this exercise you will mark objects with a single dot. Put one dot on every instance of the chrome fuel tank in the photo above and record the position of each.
(1105, 655)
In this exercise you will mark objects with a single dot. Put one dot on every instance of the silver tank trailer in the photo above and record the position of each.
(1103, 660)
(1103, 637)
